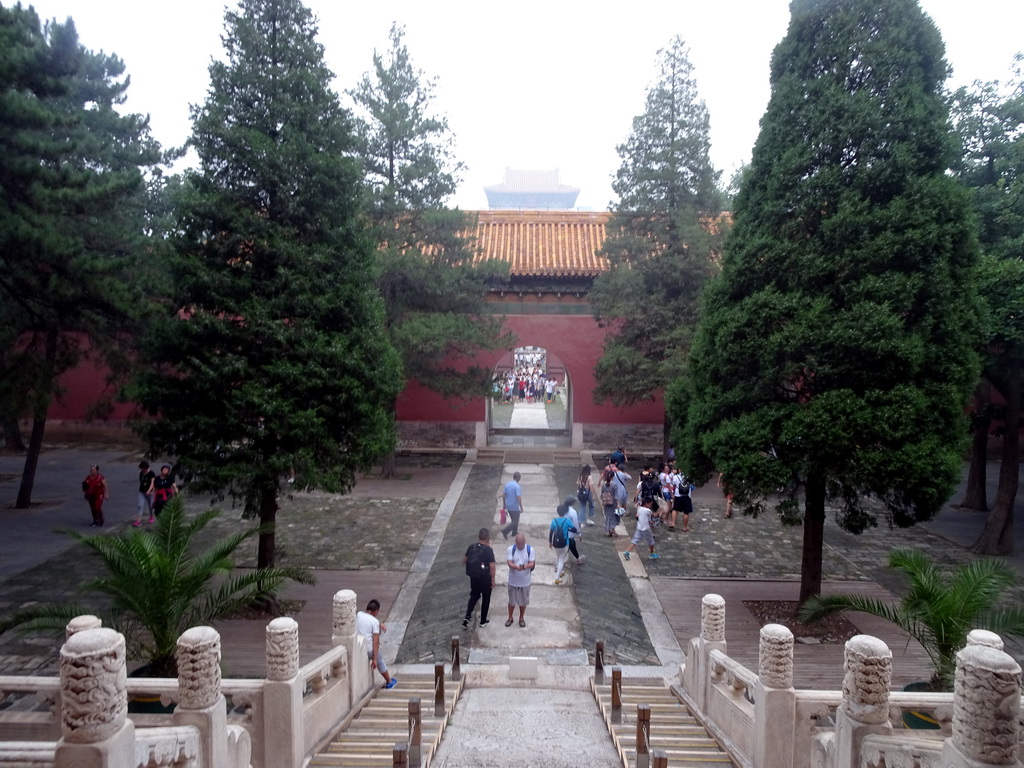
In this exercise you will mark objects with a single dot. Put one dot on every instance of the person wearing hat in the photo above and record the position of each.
(163, 489)
(146, 478)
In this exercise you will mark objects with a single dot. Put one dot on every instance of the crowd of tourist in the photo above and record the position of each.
(527, 384)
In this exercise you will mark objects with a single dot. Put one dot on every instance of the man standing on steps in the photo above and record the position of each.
(512, 498)
(370, 628)
(480, 568)
(521, 562)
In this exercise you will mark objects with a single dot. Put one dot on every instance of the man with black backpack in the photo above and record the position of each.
(480, 567)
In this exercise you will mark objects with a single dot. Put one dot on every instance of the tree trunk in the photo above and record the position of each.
(267, 551)
(814, 537)
(42, 406)
(976, 495)
(12, 436)
(387, 464)
(997, 537)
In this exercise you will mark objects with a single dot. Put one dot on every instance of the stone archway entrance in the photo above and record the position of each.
(536, 414)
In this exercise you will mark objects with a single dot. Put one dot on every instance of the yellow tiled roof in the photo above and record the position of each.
(543, 243)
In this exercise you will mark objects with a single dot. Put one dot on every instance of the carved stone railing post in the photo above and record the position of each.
(344, 617)
(82, 623)
(984, 637)
(95, 729)
(282, 696)
(343, 633)
(697, 672)
(867, 674)
(774, 699)
(986, 710)
(200, 701)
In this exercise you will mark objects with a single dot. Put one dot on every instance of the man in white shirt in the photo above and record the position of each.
(521, 560)
(370, 628)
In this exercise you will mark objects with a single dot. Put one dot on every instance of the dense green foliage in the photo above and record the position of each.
(989, 120)
(940, 607)
(155, 584)
(838, 346)
(663, 237)
(72, 214)
(433, 293)
(271, 357)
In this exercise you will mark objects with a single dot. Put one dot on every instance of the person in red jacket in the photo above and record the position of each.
(94, 488)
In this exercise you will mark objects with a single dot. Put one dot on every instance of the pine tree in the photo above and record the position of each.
(72, 214)
(662, 237)
(837, 348)
(433, 293)
(271, 359)
(989, 121)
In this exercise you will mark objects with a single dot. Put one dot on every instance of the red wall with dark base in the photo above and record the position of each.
(576, 340)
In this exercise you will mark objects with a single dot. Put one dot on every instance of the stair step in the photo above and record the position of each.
(368, 740)
(673, 728)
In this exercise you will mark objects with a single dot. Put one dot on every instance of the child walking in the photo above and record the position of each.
(643, 529)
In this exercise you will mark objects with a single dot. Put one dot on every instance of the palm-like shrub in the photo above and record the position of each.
(940, 608)
(157, 586)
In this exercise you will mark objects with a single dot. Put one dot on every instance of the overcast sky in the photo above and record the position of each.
(527, 85)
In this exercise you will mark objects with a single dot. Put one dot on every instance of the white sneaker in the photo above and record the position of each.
(582, 560)
(590, 522)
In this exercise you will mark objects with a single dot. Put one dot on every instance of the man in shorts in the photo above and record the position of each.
(522, 559)
(370, 628)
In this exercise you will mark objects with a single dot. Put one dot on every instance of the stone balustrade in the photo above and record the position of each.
(278, 722)
(764, 723)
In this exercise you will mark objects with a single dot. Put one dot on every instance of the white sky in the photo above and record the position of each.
(527, 85)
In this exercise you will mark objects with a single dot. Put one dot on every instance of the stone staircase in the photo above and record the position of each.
(673, 729)
(369, 739)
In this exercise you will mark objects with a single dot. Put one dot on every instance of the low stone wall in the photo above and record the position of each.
(635, 438)
(436, 434)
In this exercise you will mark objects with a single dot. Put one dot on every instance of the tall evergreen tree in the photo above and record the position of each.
(72, 202)
(989, 120)
(271, 359)
(662, 237)
(837, 348)
(433, 292)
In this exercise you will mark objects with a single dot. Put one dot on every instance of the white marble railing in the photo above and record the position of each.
(81, 718)
(761, 720)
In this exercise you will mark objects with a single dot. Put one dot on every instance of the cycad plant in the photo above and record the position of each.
(158, 584)
(940, 608)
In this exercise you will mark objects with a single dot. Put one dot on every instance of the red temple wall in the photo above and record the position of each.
(576, 340)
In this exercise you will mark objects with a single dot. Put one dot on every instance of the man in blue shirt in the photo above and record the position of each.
(512, 499)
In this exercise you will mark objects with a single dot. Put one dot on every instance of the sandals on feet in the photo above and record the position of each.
(522, 622)
(508, 623)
